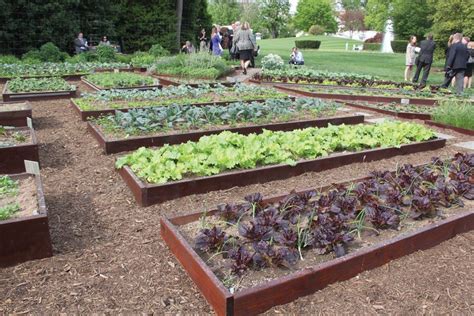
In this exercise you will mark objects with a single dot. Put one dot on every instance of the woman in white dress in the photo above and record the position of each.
(410, 57)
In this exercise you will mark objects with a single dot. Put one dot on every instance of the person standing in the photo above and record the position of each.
(216, 41)
(410, 57)
(202, 41)
(245, 42)
(425, 59)
(457, 64)
(470, 66)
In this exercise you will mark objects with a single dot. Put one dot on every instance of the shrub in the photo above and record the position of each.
(142, 59)
(157, 50)
(51, 53)
(316, 30)
(399, 46)
(372, 46)
(272, 61)
(105, 53)
(200, 65)
(311, 44)
(47, 53)
(32, 55)
(378, 38)
(124, 58)
(9, 59)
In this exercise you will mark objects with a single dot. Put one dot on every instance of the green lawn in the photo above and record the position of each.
(332, 56)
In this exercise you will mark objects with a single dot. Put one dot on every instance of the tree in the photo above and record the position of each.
(353, 4)
(224, 12)
(195, 17)
(145, 22)
(179, 19)
(309, 12)
(274, 15)
(378, 12)
(353, 20)
(451, 16)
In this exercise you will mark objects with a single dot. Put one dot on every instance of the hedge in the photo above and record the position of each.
(399, 46)
(307, 44)
(373, 46)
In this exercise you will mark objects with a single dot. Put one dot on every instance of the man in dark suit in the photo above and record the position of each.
(80, 44)
(425, 59)
(456, 64)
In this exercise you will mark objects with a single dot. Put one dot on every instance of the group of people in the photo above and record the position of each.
(241, 43)
(458, 65)
(81, 45)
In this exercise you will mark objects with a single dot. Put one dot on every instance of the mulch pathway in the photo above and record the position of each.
(110, 258)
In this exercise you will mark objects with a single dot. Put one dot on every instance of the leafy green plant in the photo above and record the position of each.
(272, 61)
(117, 99)
(141, 59)
(158, 51)
(8, 186)
(106, 53)
(158, 119)
(455, 113)
(38, 84)
(8, 211)
(227, 151)
(54, 69)
(119, 80)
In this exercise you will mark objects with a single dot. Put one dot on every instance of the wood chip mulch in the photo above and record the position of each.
(110, 258)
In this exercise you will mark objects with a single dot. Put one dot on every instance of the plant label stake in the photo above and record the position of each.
(32, 167)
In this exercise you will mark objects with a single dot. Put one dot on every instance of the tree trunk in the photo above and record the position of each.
(179, 18)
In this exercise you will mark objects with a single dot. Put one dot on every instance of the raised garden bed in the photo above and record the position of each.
(111, 146)
(15, 113)
(169, 80)
(353, 97)
(147, 193)
(71, 77)
(466, 131)
(33, 93)
(261, 293)
(85, 114)
(20, 144)
(120, 82)
(381, 109)
(25, 235)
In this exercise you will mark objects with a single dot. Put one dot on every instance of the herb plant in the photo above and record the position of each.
(119, 80)
(458, 114)
(228, 151)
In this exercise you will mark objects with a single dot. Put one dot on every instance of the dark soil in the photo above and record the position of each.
(110, 258)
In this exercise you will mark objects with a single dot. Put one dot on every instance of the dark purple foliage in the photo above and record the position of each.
(211, 239)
